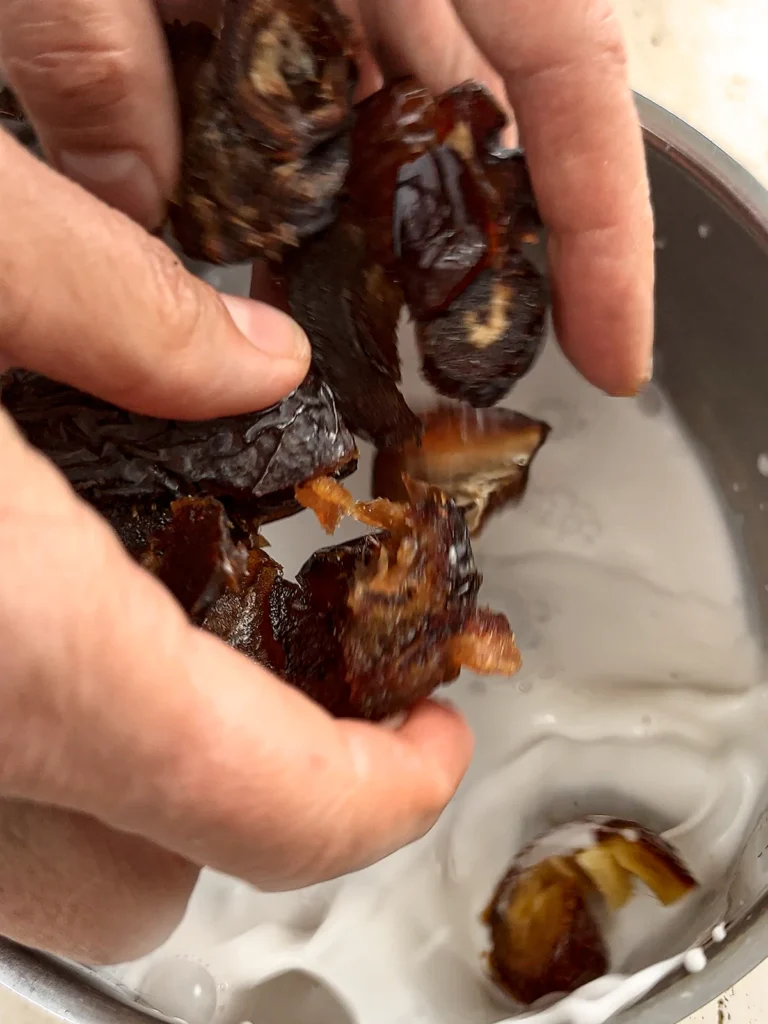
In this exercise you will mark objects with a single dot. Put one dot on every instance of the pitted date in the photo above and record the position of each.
(545, 918)
(120, 461)
(195, 555)
(489, 336)
(266, 111)
(480, 458)
(372, 626)
(349, 306)
(447, 214)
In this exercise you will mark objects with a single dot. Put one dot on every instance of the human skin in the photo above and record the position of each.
(135, 749)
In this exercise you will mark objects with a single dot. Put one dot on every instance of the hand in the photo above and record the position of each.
(142, 747)
(134, 748)
(93, 76)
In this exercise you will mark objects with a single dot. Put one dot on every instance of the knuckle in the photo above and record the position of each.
(72, 68)
(609, 43)
(591, 40)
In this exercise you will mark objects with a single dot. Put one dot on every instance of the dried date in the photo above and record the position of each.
(544, 931)
(488, 338)
(254, 619)
(195, 555)
(350, 307)
(447, 214)
(481, 459)
(266, 113)
(372, 626)
(120, 461)
(399, 609)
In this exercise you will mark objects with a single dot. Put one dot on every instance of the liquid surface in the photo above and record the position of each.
(639, 697)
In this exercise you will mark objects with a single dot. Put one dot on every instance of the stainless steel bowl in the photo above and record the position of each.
(712, 337)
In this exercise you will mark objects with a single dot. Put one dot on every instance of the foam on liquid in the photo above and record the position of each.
(639, 697)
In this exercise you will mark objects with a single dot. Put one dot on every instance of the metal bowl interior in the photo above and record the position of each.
(712, 315)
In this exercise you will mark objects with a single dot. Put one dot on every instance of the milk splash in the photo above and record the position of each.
(639, 698)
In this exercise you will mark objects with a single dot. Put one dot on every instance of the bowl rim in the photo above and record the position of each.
(746, 200)
(63, 992)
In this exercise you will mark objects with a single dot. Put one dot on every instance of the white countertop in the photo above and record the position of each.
(706, 61)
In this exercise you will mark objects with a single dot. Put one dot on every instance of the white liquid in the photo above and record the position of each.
(639, 697)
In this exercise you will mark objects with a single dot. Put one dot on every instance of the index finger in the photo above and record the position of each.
(96, 82)
(564, 67)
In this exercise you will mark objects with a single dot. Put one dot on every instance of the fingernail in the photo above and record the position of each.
(649, 369)
(268, 329)
(121, 178)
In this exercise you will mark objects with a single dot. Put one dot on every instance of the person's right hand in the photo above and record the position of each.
(134, 748)
(134, 745)
(93, 74)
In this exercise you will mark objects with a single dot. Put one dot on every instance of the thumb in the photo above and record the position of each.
(114, 706)
(89, 298)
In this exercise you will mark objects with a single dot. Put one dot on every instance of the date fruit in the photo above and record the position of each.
(349, 308)
(266, 114)
(481, 459)
(489, 337)
(195, 556)
(544, 930)
(374, 625)
(123, 463)
(435, 218)
(447, 214)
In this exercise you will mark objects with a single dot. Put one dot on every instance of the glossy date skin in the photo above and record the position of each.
(350, 308)
(479, 458)
(118, 460)
(438, 216)
(375, 625)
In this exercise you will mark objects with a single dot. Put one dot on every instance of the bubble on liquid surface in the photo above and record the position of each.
(704, 230)
(294, 997)
(762, 463)
(695, 961)
(179, 987)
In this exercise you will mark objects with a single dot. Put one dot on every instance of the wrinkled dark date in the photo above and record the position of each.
(448, 216)
(122, 462)
(349, 306)
(488, 338)
(442, 214)
(416, 179)
(374, 625)
(266, 111)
